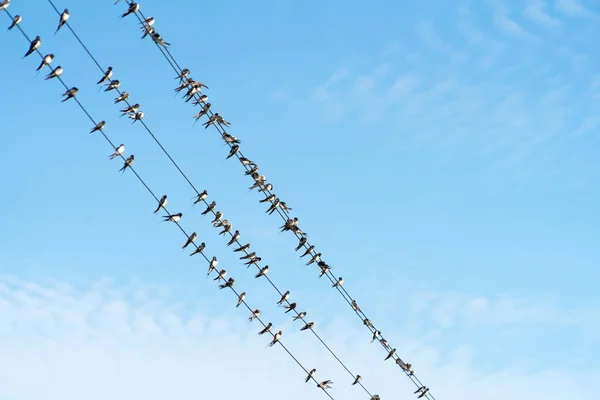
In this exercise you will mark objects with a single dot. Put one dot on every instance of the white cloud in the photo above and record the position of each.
(125, 341)
(536, 11)
(572, 7)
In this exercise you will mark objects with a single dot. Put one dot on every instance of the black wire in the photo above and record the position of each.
(285, 215)
(157, 199)
(190, 183)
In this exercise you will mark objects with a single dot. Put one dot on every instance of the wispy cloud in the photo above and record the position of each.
(573, 7)
(536, 11)
(507, 24)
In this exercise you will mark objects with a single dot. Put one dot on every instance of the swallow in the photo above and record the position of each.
(128, 163)
(325, 384)
(211, 121)
(112, 85)
(310, 375)
(245, 161)
(248, 256)
(199, 249)
(16, 21)
(257, 184)
(213, 264)
(424, 393)
(266, 329)
(210, 207)
(252, 170)
(243, 248)
(290, 307)
(263, 271)
(375, 397)
(267, 188)
(148, 21)
(300, 315)
(202, 112)
(99, 126)
(161, 203)
(229, 283)
(403, 365)
(133, 8)
(190, 240)
(269, 198)
(274, 206)
(284, 297)
(124, 96)
(159, 40)
(315, 258)
(184, 72)
(226, 228)
(220, 275)
(338, 283)
(234, 238)
(367, 322)
(200, 100)
(4, 4)
(301, 243)
(275, 338)
(285, 206)
(375, 334)
(184, 83)
(308, 251)
(241, 298)
(137, 116)
(172, 217)
(130, 109)
(390, 354)
(118, 151)
(55, 73)
(309, 325)
(289, 224)
(64, 17)
(45, 61)
(357, 379)
(70, 94)
(354, 305)
(148, 30)
(201, 197)
(254, 314)
(220, 119)
(419, 390)
(234, 149)
(384, 343)
(253, 260)
(35, 44)
(218, 216)
(231, 139)
(324, 269)
(107, 75)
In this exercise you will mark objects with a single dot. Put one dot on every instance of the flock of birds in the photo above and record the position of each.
(193, 91)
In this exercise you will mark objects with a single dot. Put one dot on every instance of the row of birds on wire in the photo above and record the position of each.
(193, 90)
(221, 274)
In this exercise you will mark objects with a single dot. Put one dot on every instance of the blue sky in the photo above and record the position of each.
(442, 158)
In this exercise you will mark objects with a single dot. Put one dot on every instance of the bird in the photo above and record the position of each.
(229, 283)
(148, 21)
(128, 163)
(199, 249)
(252, 170)
(390, 354)
(161, 203)
(16, 21)
(234, 149)
(266, 329)
(137, 116)
(70, 94)
(201, 197)
(404, 366)
(285, 206)
(45, 61)
(172, 217)
(211, 120)
(226, 227)
(99, 126)
(231, 139)
(118, 151)
(243, 248)
(33, 46)
(213, 264)
(290, 307)
(338, 283)
(375, 334)
(159, 40)
(234, 238)
(310, 375)
(220, 275)
(275, 338)
(184, 72)
(315, 258)
(253, 260)
(241, 298)
(308, 251)
(375, 397)
(254, 314)
(55, 73)
(107, 75)
(263, 271)
(300, 315)
(324, 268)
(284, 297)
(64, 17)
(301, 242)
(308, 325)
(357, 379)
(122, 97)
(355, 306)
(133, 8)
(419, 390)
(244, 160)
(4, 4)
(210, 207)
(190, 240)
(112, 85)
(267, 188)
(325, 384)
(424, 392)
(218, 216)
(269, 198)
(130, 109)
(248, 256)
(202, 98)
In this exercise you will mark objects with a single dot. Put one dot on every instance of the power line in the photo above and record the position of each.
(229, 284)
(214, 213)
(406, 367)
